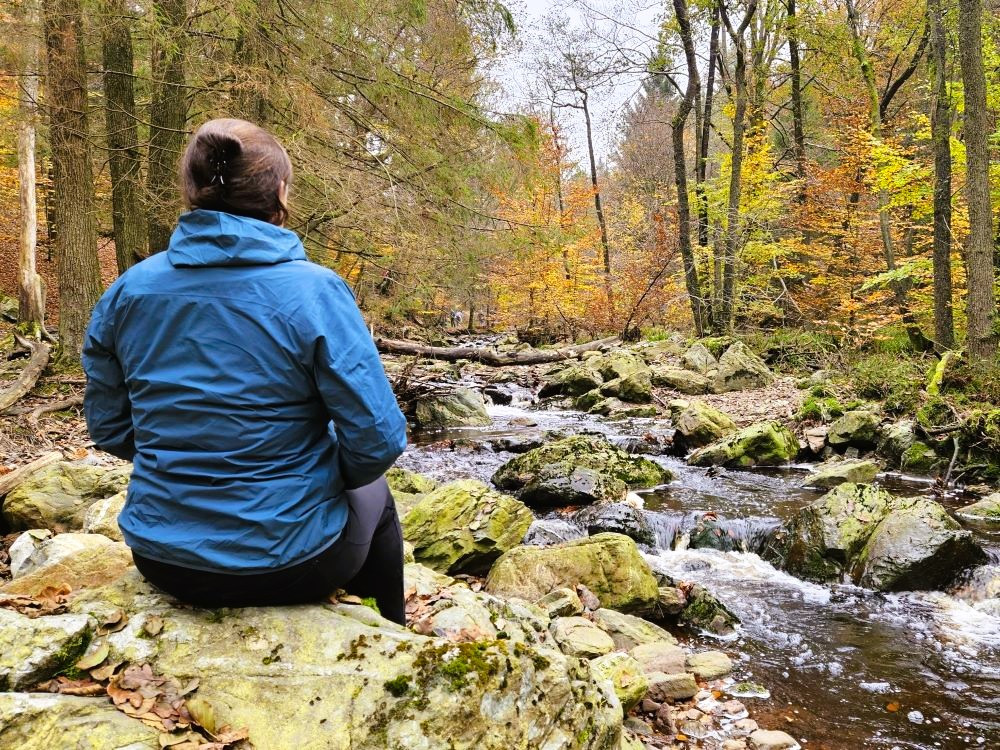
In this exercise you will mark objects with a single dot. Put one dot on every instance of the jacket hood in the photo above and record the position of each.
(214, 238)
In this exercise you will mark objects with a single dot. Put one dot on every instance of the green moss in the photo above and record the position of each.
(70, 654)
(820, 409)
(398, 686)
(369, 601)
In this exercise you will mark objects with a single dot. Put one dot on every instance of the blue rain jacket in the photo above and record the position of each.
(242, 382)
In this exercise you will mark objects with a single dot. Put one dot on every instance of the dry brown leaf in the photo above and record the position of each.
(95, 657)
(152, 625)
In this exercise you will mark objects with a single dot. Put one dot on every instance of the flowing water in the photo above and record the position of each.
(846, 667)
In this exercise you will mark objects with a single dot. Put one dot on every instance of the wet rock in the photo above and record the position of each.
(548, 531)
(671, 600)
(834, 473)
(618, 518)
(625, 675)
(709, 533)
(896, 440)
(574, 380)
(407, 487)
(917, 546)
(578, 636)
(699, 359)
(463, 527)
(57, 496)
(697, 424)
(710, 665)
(102, 517)
(41, 721)
(498, 394)
(762, 444)
(660, 656)
(614, 409)
(740, 369)
(987, 509)
(561, 603)
(462, 407)
(764, 739)
(680, 380)
(608, 564)
(670, 687)
(635, 388)
(35, 649)
(628, 631)
(855, 429)
(704, 612)
(577, 470)
(920, 458)
(75, 560)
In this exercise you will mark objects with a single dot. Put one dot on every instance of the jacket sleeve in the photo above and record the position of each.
(370, 429)
(106, 403)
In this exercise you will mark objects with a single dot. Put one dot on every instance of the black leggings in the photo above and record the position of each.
(366, 560)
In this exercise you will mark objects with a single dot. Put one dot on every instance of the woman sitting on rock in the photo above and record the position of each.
(242, 382)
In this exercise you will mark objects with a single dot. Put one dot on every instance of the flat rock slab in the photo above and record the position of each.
(33, 649)
(39, 721)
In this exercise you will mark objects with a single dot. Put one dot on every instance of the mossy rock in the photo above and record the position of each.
(463, 407)
(408, 488)
(833, 473)
(858, 429)
(625, 675)
(704, 612)
(35, 649)
(762, 444)
(819, 409)
(574, 380)
(697, 424)
(634, 387)
(740, 369)
(683, 381)
(57, 496)
(43, 721)
(986, 510)
(699, 359)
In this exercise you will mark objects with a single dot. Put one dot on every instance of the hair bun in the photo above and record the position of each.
(219, 151)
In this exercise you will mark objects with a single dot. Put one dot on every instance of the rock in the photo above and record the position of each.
(635, 388)
(764, 739)
(561, 603)
(699, 359)
(704, 612)
(920, 458)
(671, 600)
(74, 560)
(626, 677)
(544, 532)
(710, 533)
(815, 438)
(608, 564)
(407, 488)
(917, 546)
(23, 551)
(57, 496)
(664, 687)
(462, 407)
(463, 527)
(614, 409)
(660, 656)
(628, 631)
(762, 444)
(574, 380)
(856, 429)
(618, 518)
(102, 517)
(619, 363)
(697, 424)
(42, 721)
(683, 381)
(577, 470)
(896, 440)
(740, 369)
(578, 636)
(987, 509)
(34, 649)
(834, 473)
(710, 665)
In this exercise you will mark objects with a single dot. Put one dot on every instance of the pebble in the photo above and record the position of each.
(649, 706)
(745, 727)
(916, 717)
(734, 710)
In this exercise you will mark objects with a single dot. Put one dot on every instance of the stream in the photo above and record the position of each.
(846, 667)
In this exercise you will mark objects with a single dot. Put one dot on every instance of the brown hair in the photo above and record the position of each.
(236, 167)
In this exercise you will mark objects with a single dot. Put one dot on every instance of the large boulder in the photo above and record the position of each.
(577, 470)
(610, 565)
(697, 424)
(917, 546)
(833, 473)
(681, 380)
(628, 631)
(574, 380)
(42, 721)
(462, 407)
(407, 487)
(619, 518)
(74, 560)
(896, 440)
(57, 496)
(619, 363)
(762, 444)
(699, 359)
(740, 369)
(986, 510)
(35, 649)
(463, 527)
(635, 388)
(855, 429)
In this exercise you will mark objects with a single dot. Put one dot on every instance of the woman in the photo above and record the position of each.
(242, 382)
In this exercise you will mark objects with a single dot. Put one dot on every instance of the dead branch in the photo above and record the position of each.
(490, 357)
(37, 362)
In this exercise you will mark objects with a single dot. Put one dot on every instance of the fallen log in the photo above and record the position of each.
(37, 362)
(14, 478)
(490, 357)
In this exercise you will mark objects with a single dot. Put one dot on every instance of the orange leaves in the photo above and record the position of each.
(50, 601)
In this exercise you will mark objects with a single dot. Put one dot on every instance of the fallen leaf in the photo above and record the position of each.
(892, 707)
(152, 625)
(95, 657)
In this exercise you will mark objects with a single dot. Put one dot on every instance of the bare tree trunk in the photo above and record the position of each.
(560, 203)
(944, 327)
(31, 297)
(76, 241)
(981, 340)
(167, 119)
(597, 192)
(701, 166)
(798, 130)
(125, 161)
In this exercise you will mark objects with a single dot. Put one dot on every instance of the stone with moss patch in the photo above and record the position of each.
(834, 473)
(762, 444)
(42, 721)
(35, 649)
(462, 407)
(697, 424)
(741, 369)
(578, 636)
(628, 631)
(625, 675)
(858, 429)
(57, 496)
(987, 509)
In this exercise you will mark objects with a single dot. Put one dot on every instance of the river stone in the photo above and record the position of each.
(635, 388)
(42, 721)
(102, 517)
(762, 444)
(710, 533)
(683, 381)
(699, 359)
(855, 429)
(35, 649)
(660, 656)
(574, 380)
(671, 601)
(764, 739)
(619, 518)
(916, 547)
(610, 565)
(629, 631)
(619, 363)
(896, 440)
(703, 611)
(340, 676)
(462, 407)
(561, 603)
(834, 473)
(697, 424)
(626, 676)
(710, 665)
(57, 496)
(740, 369)
(462, 527)
(75, 560)
(578, 636)
(407, 488)
(664, 687)
(987, 509)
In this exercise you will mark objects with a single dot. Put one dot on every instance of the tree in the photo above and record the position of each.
(798, 130)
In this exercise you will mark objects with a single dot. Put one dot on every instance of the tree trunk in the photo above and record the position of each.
(798, 130)
(167, 119)
(701, 165)
(76, 241)
(981, 340)
(944, 328)
(251, 70)
(597, 193)
(124, 159)
(31, 294)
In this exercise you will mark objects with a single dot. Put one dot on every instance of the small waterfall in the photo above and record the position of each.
(707, 530)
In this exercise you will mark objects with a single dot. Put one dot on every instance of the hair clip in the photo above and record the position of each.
(218, 165)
